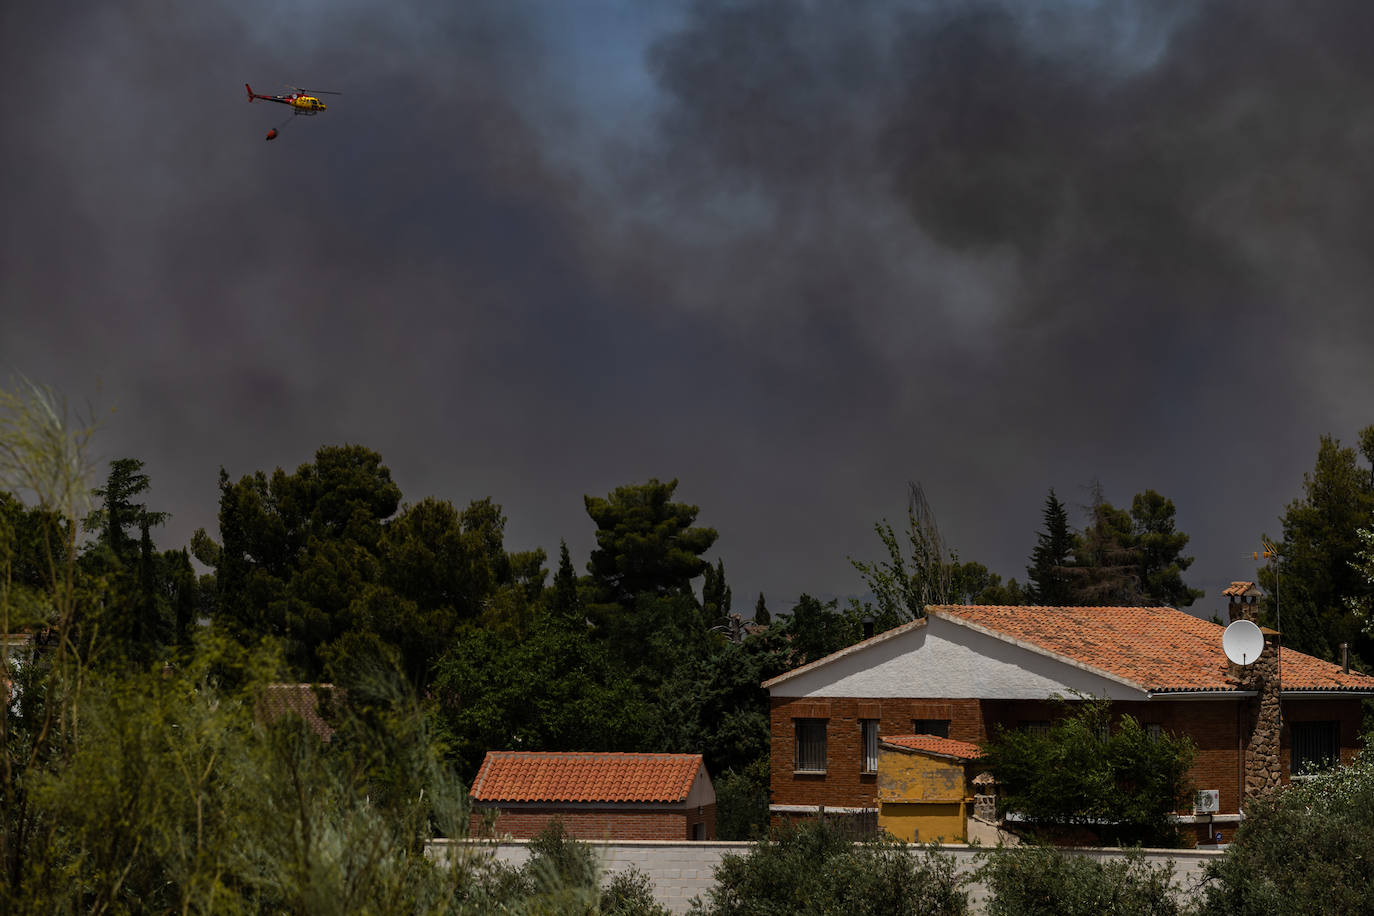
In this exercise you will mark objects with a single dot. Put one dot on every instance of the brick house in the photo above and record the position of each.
(598, 796)
(962, 671)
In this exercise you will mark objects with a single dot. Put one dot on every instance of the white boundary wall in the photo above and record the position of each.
(681, 870)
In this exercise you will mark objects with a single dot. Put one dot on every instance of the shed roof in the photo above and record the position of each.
(548, 776)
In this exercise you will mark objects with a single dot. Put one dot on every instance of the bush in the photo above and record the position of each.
(1042, 881)
(1308, 848)
(1122, 784)
(814, 869)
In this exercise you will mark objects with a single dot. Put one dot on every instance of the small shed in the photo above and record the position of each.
(925, 789)
(598, 796)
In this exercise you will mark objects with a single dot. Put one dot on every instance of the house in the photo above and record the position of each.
(598, 796)
(925, 787)
(961, 671)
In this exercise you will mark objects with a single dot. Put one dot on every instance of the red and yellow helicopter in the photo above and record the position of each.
(302, 102)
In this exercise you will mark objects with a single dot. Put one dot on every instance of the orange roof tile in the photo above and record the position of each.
(932, 744)
(277, 700)
(1156, 649)
(1239, 589)
(547, 776)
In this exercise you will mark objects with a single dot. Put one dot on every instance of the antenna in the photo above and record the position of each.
(1242, 642)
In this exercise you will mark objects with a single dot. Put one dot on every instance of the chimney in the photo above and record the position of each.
(1261, 716)
(1242, 604)
(1345, 657)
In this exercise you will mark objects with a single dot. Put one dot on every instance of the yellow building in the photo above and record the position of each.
(925, 790)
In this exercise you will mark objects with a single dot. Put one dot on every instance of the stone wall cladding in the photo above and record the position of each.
(681, 871)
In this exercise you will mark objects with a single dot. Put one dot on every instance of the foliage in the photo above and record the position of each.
(1305, 849)
(1044, 881)
(645, 544)
(1129, 558)
(903, 586)
(1313, 585)
(322, 559)
(1046, 580)
(43, 453)
(562, 876)
(742, 801)
(813, 868)
(1081, 773)
(1362, 606)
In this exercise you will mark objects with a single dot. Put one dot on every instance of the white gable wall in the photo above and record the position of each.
(944, 659)
(702, 792)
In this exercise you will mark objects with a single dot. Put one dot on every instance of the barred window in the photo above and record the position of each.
(937, 727)
(869, 730)
(1154, 731)
(1315, 746)
(810, 735)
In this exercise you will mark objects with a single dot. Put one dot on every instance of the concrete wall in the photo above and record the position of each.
(681, 871)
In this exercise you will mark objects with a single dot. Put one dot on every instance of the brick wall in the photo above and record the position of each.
(1216, 726)
(590, 823)
(843, 784)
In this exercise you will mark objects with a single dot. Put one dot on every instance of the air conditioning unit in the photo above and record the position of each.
(1208, 801)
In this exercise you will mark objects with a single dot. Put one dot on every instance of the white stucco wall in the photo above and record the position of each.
(945, 659)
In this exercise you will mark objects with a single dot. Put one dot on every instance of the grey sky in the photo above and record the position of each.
(793, 254)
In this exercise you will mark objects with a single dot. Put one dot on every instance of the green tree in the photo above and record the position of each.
(1313, 583)
(974, 583)
(640, 579)
(1129, 557)
(715, 596)
(43, 454)
(761, 615)
(1088, 771)
(1046, 580)
(646, 544)
(1160, 546)
(903, 586)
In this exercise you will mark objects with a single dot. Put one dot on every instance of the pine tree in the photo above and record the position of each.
(1047, 581)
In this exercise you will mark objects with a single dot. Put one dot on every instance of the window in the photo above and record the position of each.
(810, 735)
(937, 727)
(869, 731)
(1154, 731)
(1036, 726)
(1316, 746)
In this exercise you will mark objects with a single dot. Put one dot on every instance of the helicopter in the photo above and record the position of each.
(302, 101)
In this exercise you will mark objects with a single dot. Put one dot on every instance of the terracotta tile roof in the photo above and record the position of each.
(277, 700)
(1238, 589)
(1154, 649)
(932, 744)
(539, 776)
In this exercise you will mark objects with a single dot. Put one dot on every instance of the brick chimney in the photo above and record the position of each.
(1260, 716)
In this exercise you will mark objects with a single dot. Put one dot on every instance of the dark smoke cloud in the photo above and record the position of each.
(797, 255)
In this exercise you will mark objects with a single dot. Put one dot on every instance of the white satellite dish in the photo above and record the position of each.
(1242, 642)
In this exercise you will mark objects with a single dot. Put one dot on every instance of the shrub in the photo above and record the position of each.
(1043, 881)
(814, 869)
(1308, 848)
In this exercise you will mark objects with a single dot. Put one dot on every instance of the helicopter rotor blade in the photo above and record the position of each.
(315, 91)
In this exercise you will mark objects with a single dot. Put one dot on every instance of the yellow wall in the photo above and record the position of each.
(924, 822)
(921, 797)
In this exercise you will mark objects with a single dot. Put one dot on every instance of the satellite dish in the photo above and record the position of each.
(1242, 642)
